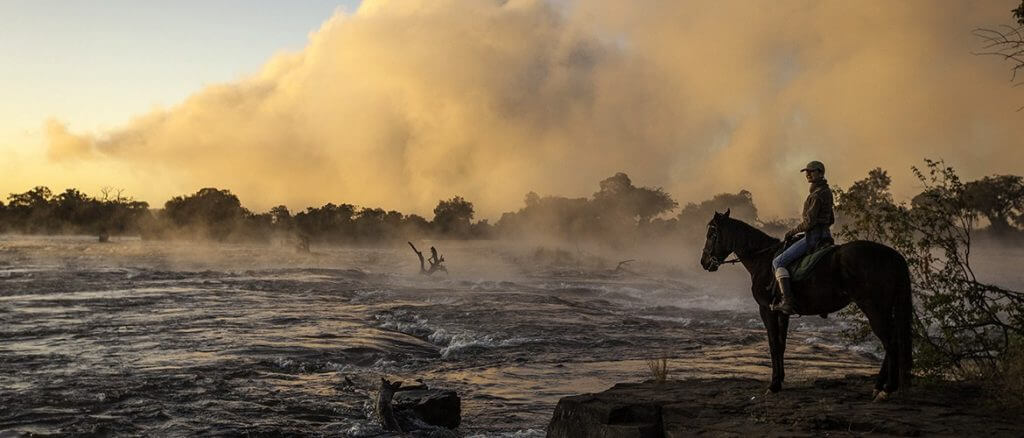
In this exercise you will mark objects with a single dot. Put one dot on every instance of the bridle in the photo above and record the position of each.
(713, 260)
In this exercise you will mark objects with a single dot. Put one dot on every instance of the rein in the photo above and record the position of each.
(737, 259)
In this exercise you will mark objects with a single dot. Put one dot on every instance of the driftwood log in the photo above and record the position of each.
(436, 261)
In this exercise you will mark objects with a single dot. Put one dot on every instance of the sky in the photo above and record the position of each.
(60, 57)
(94, 65)
(400, 103)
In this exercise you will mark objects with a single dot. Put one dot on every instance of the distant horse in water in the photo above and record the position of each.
(872, 275)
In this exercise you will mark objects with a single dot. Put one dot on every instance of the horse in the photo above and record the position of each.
(873, 276)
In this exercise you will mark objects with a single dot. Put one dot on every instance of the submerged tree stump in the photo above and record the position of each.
(436, 261)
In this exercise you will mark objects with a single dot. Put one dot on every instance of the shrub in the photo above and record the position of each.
(963, 326)
(659, 369)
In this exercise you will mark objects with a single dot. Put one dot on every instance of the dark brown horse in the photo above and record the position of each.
(872, 275)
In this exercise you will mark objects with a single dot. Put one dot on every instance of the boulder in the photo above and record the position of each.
(437, 407)
(627, 410)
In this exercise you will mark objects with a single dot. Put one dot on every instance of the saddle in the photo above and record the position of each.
(802, 267)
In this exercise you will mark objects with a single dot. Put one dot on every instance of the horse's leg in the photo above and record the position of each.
(783, 320)
(881, 326)
(770, 320)
(883, 376)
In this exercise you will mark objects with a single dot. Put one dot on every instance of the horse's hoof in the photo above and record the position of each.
(881, 396)
(874, 393)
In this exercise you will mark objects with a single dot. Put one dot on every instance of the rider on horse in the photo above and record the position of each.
(817, 218)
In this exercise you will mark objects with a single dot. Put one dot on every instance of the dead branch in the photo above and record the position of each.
(1006, 42)
(436, 261)
(623, 263)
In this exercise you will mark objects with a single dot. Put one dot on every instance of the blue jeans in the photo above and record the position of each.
(801, 247)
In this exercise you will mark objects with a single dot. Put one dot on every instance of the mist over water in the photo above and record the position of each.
(172, 338)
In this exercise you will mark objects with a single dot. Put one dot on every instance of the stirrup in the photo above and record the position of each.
(780, 308)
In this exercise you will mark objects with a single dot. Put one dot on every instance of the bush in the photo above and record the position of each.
(963, 326)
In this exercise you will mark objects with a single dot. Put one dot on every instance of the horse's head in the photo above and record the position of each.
(716, 246)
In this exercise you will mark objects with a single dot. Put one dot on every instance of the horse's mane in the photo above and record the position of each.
(750, 233)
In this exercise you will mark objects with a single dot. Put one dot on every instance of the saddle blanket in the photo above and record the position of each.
(801, 268)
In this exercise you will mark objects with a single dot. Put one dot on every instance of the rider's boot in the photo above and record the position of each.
(786, 306)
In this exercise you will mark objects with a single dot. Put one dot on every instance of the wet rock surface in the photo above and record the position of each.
(437, 407)
(821, 407)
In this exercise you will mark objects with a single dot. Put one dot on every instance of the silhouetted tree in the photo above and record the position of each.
(1000, 198)
(531, 199)
(416, 224)
(617, 212)
(694, 217)
(369, 223)
(281, 218)
(330, 222)
(71, 211)
(868, 194)
(651, 203)
(550, 215)
(32, 211)
(621, 206)
(453, 217)
(74, 207)
(482, 229)
(211, 212)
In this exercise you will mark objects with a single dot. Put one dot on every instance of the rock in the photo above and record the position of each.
(737, 407)
(619, 412)
(438, 407)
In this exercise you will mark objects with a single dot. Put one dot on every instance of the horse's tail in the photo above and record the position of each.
(903, 314)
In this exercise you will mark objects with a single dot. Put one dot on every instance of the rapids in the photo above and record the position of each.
(178, 339)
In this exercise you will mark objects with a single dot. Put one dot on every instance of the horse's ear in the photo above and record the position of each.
(727, 212)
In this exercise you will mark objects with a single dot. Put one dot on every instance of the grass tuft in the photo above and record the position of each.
(659, 369)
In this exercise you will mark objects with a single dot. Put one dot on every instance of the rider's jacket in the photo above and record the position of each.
(817, 215)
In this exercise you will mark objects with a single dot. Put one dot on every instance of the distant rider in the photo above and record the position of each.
(817, 218)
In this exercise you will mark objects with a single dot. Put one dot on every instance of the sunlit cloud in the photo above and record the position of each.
(407, 102)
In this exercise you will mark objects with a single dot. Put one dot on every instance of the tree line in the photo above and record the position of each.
(218, 214)
(618, 213)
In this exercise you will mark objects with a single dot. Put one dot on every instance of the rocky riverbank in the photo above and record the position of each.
(820, 407)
